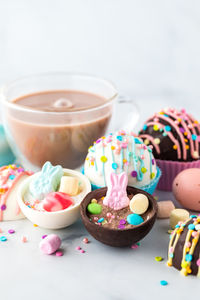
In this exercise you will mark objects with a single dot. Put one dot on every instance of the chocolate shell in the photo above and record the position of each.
(118, 237)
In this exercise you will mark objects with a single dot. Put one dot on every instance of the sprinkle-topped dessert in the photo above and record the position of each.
(52, 190)
(118, 215)
(121, 152)
(175, 137)
(184, 247)
(10, 178)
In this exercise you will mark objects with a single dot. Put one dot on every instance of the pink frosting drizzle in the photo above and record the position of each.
(186, 121)
(4, 197)
(150, 138)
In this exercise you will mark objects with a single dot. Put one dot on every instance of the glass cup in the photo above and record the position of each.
(63, 138)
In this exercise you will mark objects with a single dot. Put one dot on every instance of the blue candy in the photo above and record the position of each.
(3, 239)
(145, 127)
(47, 181)
(114, 166)
(134, 219)
(167, 128)
(191, 227)
(163, 282)
(188, 257)
(100, 220)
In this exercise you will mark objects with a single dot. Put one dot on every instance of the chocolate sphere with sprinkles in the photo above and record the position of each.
(184, 247)
(122, 152)
(175, 138)
(174, 135)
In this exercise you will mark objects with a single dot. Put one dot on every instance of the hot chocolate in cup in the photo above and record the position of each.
(56, 116)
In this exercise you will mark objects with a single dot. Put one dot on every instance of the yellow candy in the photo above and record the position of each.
(69, 185)
(155, 127)
(94, 201)
(104, 159)
(157, 141)
(158, 258)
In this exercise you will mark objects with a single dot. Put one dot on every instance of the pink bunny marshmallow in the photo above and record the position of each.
(116, 197)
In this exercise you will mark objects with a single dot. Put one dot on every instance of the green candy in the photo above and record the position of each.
(94, 208)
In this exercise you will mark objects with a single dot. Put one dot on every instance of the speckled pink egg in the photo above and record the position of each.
(186, 188)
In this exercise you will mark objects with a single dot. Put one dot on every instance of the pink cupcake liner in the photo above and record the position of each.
(169, 171)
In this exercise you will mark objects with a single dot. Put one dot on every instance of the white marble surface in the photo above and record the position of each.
(150, 49)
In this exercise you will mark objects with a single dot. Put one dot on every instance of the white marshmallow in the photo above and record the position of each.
(139, 204)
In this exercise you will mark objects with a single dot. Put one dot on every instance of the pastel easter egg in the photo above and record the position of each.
(94, 208)
(56, 201)
(134, 219)
(186, 188)
(139, 204)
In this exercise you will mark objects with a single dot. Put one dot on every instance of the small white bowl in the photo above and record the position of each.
(57, 219)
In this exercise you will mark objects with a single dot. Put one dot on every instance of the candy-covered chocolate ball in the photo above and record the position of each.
(120, 152)
(174, 135)
(186, 188)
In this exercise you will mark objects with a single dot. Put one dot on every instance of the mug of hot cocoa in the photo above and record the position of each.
(56, 116)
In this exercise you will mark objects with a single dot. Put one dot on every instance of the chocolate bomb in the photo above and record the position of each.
(114, 236)
(184, 247)
(174, 135)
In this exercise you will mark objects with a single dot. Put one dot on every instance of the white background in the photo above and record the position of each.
(151, 50)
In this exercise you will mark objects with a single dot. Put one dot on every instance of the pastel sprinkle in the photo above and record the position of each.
(198, 262)
(158, 258)
(59, 253)
(163, 282)
(194, 137)
(188, 257)
(12, 177)
(3, 239)
(152, 175)
(94, 200)
(143, 170)
(134, 246)
(157, 141)
(85, 240)
(191, 227)
(44, 236)
(167, 128)
(145, 127)
(104, 159)
(24, 239)
(134, 173)
(120, 226)
(114, 166)
(155, 127)
(119, 137)
(3, 207)
(11, 231)
(100, 220)
(122, 222)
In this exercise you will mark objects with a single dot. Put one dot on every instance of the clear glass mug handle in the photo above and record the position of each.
(125, 115)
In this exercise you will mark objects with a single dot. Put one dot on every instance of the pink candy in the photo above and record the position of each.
(116, 196)
(198, 262)
(57, 201)
(50, 244)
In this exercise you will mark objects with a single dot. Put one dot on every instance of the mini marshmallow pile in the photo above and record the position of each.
(51, 190)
